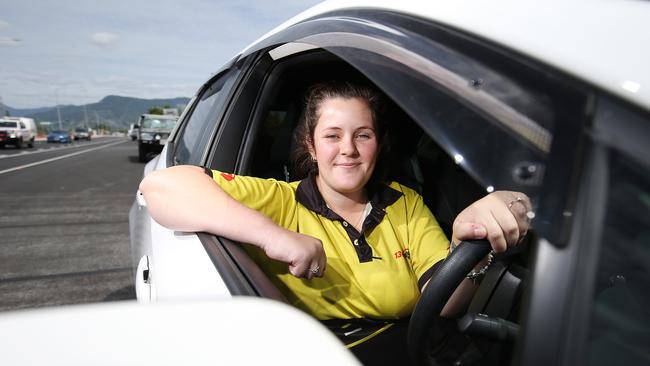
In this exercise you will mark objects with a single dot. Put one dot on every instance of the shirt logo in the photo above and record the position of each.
(403, 253)
(228, 176)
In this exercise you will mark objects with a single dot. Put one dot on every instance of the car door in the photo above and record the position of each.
(173, 264)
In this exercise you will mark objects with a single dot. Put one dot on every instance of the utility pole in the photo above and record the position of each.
(96, 122)
(58, 110)
(86, 116)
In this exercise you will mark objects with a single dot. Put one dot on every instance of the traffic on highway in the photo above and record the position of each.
(63, 224)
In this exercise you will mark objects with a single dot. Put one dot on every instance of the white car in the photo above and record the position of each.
(82, 133)
(548, 98)
(17, 131)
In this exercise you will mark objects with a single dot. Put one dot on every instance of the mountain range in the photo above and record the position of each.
(114, 111)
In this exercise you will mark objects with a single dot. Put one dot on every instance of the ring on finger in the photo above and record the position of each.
(529, 213)
(517, 200)
(314, 270)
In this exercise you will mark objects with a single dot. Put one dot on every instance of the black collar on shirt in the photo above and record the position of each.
(309, 196)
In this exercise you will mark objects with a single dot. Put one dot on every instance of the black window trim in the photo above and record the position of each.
(238, 271)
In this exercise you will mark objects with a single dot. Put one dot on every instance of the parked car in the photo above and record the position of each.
(61, 136)
(551, 99)
(153, 131)
(17, 131)
(81, 133)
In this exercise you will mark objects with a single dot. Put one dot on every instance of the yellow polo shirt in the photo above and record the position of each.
(369, 274)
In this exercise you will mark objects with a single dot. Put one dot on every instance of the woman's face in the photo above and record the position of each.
(345, 145)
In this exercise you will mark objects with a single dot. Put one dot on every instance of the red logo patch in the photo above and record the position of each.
(403, 253)
(228, 176)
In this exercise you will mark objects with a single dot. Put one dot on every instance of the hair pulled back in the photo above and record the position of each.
(316, 95)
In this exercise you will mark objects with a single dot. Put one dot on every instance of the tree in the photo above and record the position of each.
(155, 110)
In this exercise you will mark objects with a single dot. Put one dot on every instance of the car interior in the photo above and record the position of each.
(415, 160)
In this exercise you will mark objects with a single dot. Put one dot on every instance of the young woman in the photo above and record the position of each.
(341, 243)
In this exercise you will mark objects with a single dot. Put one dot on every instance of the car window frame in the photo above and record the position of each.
(573, 95)
(361, 21)
(216, 113)
(239, 272)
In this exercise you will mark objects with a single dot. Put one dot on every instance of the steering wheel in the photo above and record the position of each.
(426, 324)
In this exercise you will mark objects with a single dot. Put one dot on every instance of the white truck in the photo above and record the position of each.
(17, 131)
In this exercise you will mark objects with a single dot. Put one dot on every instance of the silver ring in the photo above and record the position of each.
(314, 270)
(518, 199)
(529, 214)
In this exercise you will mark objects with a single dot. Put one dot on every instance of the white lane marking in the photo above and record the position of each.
(59, 157)
(51, 148)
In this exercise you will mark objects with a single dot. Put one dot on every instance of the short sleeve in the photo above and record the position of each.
(428, 243)
(273, 198)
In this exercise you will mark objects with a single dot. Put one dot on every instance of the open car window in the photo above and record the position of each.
(416, 159)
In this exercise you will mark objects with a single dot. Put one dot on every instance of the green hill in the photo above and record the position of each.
(114, 111)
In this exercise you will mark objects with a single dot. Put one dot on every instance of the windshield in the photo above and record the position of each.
(8, 124)
(80, 130)
(166, 124)
(59, 132)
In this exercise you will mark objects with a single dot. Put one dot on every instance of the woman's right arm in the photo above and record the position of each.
(184, 198)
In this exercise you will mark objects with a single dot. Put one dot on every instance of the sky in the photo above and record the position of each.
(77, 52)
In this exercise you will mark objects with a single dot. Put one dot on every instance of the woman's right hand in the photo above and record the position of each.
(303, 253)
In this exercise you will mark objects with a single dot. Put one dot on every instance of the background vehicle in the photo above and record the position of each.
(61, 136)
(133, 131)
(17, 131)
(508, 96)
(153, 131)
(81, 133)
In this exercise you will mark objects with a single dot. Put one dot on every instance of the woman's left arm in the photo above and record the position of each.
(500, 217)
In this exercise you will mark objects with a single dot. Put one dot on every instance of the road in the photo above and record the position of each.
(64, 236)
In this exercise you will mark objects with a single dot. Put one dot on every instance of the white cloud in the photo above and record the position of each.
(104, 38)
(3, 25)
(8, 41)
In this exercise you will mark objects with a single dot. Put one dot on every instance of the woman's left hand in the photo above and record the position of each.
(501, 217)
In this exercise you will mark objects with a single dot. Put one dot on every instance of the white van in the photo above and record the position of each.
(17, 131)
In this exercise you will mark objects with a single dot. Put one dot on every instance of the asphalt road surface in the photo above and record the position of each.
(64, 232)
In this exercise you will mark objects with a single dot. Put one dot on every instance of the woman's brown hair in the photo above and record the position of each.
(303, 165)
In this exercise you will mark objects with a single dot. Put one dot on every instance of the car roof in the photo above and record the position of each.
(599, 41)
